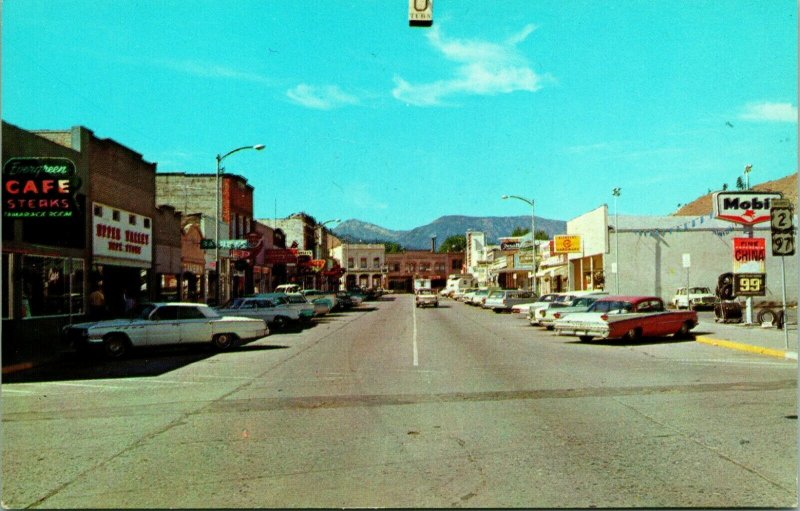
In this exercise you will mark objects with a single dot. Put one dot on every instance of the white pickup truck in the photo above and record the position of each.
(426, 297)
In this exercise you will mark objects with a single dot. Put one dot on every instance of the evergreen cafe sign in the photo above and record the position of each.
(39, 188)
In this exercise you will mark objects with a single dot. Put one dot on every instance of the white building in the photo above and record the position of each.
(652, 251)
(364, 264)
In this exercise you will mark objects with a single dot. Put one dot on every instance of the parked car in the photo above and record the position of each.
(578, 304)
(697, 298)
(426, 297)
(524, 308)
(295, 301)
(502, 300)
(537, 313)
(277, 315)
(315, 294)
(478, 297)
(165, 323)
(466, 296)
(628, 317)
(346, 300)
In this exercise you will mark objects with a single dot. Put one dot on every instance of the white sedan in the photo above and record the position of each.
(165, 323)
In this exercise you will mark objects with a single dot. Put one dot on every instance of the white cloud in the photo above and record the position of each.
(771, 112)
(207, 70)
(321, 98)
(484, 68)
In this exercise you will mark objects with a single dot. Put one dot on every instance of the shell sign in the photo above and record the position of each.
(567, 244)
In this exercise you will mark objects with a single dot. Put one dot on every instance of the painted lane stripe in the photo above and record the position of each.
(414, 343)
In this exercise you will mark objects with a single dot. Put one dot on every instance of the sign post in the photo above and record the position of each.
(782, 226)
(747, 208)
(687, 263)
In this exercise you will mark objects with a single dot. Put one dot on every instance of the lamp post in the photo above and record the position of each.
(320, 227)
(257, 147)
(533, 235)
(615, 192)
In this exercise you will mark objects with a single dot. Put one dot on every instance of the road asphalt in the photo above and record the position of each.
(754, 338)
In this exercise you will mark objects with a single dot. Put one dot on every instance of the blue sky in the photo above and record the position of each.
(365, 117)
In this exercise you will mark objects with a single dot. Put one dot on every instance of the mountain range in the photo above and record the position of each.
(356, 231)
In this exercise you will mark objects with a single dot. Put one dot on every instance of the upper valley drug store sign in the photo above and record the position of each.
(120, 237)
(39, 188)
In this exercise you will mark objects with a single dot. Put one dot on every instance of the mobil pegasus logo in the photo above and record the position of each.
(746, 208)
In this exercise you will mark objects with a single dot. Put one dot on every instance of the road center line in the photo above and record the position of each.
(414, 344)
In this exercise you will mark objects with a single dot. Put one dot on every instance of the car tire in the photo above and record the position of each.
(767, 315)
(115, 346)
(279, 322)
(633, 334)
(684, 331)
(585, 338)
(223, 342)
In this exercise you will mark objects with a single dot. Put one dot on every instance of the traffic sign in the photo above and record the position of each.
(782, 226)
(207, 244)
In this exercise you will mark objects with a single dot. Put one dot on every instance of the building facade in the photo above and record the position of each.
(653, 250)
(197, 194)
(100, 236)
(402, 268)
(363, 263)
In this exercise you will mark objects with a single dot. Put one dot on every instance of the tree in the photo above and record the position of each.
(455, 243)
(393, 247)
(739, 183)
(519, 231)
(724, 187)
(541, 235)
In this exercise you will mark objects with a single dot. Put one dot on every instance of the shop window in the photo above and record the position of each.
(350, 263)
(50, 285)
(363, 263)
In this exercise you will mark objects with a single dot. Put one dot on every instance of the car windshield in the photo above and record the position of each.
(611, 306)
(699, 291)
(145, 314)
(583, 301)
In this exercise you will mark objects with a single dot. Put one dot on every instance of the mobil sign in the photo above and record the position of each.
(746, 208)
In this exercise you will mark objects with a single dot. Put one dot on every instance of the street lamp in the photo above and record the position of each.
(533, 235)
(257, 147)
(320, 226)
(615, 192)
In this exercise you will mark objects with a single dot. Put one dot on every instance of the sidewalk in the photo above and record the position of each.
(751, 338)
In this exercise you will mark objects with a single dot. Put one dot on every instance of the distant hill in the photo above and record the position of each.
(444, 227)
(703, 205)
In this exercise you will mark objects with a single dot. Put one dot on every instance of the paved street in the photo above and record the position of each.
(390, 406)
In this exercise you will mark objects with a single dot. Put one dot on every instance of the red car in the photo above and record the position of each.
(627, 317)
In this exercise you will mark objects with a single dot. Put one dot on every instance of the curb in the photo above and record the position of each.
(760, 350)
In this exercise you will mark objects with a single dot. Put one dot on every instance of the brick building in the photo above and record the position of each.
(196, 194)
(303, 232)
(105, 240)
(406, 266)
